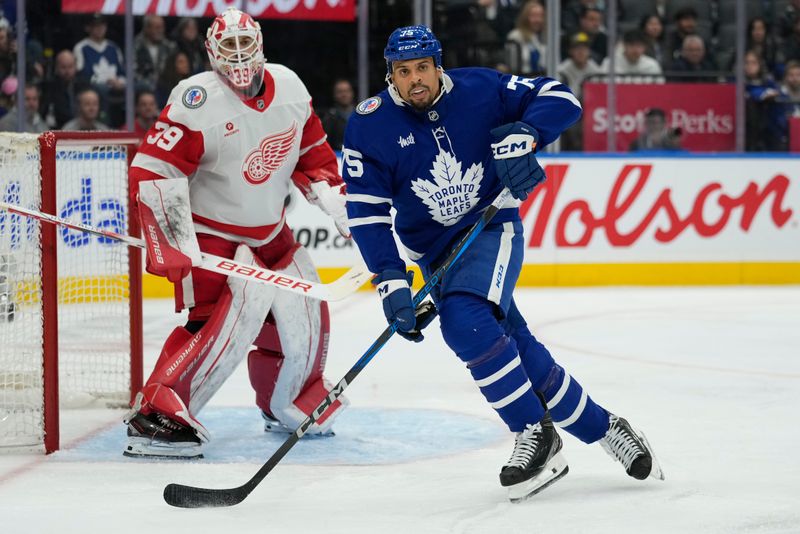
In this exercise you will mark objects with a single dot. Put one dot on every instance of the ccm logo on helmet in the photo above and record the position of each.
(513, 146)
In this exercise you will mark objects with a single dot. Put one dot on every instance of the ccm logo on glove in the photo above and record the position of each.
(513, 146)
(515, 158)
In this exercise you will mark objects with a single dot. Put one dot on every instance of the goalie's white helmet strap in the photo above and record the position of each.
(236, 51)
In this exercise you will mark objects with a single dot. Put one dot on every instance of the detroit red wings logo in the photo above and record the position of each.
(269, 156)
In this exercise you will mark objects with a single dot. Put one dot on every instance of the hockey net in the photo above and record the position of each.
(70, 302)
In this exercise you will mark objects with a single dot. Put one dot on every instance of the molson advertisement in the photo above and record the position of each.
(664, 220)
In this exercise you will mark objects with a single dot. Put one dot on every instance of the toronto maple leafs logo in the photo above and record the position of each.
(269, 156)
(452, 193)
(103, 71)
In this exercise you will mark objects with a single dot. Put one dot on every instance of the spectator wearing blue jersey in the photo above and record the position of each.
(100, 61)
(439, 147)
(766, 123)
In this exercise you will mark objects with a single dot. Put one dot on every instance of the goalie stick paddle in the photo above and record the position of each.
(193, 497)
(340, 288)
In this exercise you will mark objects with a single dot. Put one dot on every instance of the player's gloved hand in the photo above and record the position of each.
(394, 288)
(331, 200)
(513, 147)
(425, 313)
(176, 269)
(162, 258)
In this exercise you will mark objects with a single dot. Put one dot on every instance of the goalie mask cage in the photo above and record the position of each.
(70, 302)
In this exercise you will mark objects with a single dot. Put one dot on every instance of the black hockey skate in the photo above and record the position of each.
(158, 436)
(630, 448)
(536, 462)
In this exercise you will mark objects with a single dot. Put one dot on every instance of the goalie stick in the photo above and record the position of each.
(193, 497)
(340, 288)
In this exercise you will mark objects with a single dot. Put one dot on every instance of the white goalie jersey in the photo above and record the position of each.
(241, 157)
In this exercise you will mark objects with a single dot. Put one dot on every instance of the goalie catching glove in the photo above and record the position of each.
(166, 221)
(514, 159)
(394, 288)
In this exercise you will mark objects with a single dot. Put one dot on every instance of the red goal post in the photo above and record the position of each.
(70, 302)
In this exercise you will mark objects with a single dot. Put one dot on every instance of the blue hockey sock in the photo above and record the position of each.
(572, 408)
(502, 379)
(471, 329)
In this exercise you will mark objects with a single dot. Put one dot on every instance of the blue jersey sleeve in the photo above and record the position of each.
(369, 199)
(546, 104)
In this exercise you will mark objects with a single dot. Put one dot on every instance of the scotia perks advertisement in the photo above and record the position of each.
(341, 10)
(636, 210)
(703, 112)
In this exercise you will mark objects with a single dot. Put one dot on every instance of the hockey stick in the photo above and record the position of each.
(340, 288)
(193, 497)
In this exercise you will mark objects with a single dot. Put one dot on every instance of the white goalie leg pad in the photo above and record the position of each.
(169, 202)
(249, 308)
(303, 328)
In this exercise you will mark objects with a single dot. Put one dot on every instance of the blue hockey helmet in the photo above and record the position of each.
(412, 42)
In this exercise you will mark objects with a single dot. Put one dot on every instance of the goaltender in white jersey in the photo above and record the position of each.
(213, 175)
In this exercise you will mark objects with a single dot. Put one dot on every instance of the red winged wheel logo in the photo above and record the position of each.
(269, 156)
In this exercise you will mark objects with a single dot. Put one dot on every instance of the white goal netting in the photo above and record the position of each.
(93, 289)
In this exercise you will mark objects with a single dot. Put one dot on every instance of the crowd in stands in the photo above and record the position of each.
(83, 87)
(686, 41)
(86, 88)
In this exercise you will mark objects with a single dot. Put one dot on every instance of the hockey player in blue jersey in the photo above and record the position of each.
(439, 147)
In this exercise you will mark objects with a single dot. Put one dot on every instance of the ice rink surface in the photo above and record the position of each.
(712, 375)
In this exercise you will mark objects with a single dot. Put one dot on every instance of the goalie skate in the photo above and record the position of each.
(158, 436)
(273, 425)
(536, 462)
(630, 448)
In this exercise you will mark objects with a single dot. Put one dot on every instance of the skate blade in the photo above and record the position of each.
(272, 428)
(655, 468)
(555, 470)
(147, 448)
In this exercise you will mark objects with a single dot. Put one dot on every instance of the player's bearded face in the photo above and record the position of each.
(417, 81)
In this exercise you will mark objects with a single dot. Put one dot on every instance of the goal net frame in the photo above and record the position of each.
(49, 144)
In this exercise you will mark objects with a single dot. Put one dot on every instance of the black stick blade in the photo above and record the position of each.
(190, 497)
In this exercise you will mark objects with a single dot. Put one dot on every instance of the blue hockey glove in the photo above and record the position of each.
(514, 159)
(425, 313)
(394, 288)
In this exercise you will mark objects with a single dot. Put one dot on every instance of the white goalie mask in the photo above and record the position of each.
(236, 50)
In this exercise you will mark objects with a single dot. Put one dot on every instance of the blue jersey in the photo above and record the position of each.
(98, 62)
(435, 167)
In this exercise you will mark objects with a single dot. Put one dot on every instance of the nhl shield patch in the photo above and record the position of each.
(365, 107)
(194, 97)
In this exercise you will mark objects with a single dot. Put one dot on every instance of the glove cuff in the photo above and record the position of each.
(390, 281)
(389, 274)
